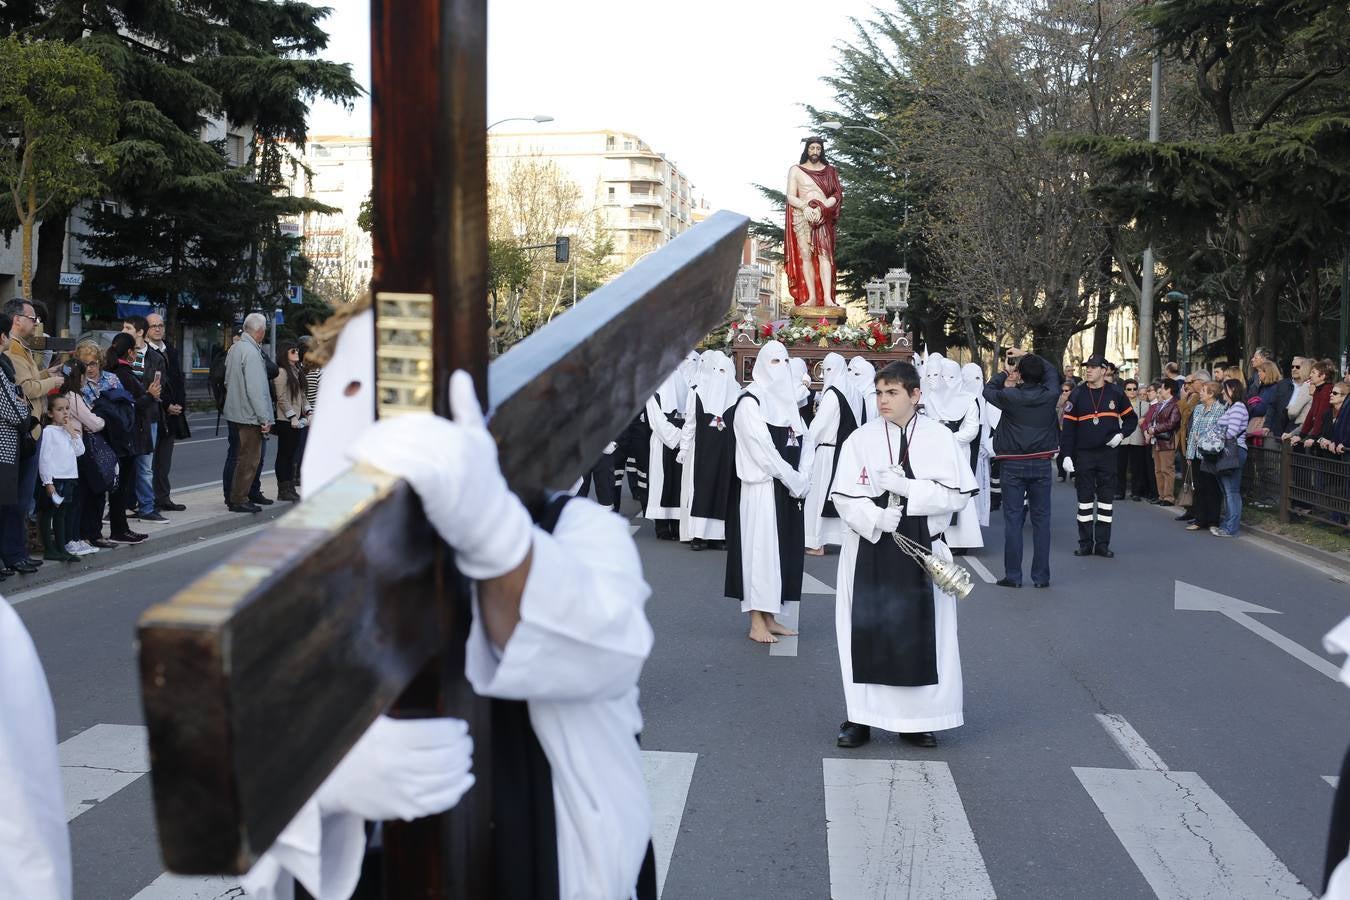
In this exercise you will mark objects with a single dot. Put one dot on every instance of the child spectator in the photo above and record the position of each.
(58, 512)
(86, 426)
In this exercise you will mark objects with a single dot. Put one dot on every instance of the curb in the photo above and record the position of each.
(1337, 561)
(168, 539)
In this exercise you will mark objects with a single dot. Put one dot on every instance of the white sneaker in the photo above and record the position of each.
(80, 548)
(86, 548)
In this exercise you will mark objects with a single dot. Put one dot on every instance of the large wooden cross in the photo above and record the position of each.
(258, 677)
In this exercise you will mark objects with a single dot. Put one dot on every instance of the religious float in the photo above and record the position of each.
(810, 336)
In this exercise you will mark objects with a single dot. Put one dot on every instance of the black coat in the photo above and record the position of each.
(147, 408)
(1030, 425)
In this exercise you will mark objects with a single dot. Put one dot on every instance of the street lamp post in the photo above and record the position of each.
(1185, 299)
(540, 119)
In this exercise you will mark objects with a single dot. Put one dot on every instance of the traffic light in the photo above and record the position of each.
(562, 249)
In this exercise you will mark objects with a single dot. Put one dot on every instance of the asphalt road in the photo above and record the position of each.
(1224, 732)
(198, 460)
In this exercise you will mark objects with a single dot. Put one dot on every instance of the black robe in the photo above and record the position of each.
(714, 463)
(847, 425)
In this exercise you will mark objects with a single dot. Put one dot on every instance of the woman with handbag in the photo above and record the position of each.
(1232, 427)
(1204, 424)
(1164, 420)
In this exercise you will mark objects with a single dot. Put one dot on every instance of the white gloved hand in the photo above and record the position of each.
(57, 499)
(452, 465)
(1068, 464)
(797, 484)
(889, 520)
(893, 481)
(401, 769)
(1115, 440)
(610, 448)
(681, 457)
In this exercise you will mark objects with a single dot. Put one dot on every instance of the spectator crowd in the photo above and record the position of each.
(88, 437)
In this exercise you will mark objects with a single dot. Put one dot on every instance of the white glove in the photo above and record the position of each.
(1068, 464)
(797, 484)
(893, 481)
(452, 465)
(401, 769)
(681, 457)
(56, 499)
(1115, 440)
(609, 448)
(889, 520)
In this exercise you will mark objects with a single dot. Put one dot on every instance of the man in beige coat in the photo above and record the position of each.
(35, 382)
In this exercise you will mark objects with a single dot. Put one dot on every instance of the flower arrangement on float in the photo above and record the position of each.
(871, 334)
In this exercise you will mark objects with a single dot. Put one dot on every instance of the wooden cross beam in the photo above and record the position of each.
(258, 677)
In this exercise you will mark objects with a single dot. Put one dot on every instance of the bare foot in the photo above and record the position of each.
(815, 551)
(776, 627)
(759, 632)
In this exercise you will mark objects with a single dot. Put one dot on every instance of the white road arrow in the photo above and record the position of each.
(1190, 597)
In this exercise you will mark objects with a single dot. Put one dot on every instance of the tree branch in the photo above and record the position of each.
(1293, 89)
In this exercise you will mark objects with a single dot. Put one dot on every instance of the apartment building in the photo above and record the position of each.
(643, 199)
(341, 253)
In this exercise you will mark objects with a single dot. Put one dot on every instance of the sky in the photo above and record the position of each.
(717, 86)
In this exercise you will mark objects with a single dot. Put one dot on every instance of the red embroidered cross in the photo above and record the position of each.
(862, 478)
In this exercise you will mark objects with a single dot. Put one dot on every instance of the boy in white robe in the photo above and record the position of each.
(898, 650)
(838, 414)
(764, 539)
(558, 623)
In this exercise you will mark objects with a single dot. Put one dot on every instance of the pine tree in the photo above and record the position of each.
(193, 231)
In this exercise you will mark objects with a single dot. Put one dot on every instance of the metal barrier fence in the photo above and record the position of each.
(1314, 485)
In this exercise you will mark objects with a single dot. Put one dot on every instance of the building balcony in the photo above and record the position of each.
(639, 226)
(645, 200)
(638, 175)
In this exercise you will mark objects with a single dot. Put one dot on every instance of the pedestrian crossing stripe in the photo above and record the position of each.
(102, 760)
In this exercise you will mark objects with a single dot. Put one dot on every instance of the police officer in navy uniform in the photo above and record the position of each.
(1097, 417)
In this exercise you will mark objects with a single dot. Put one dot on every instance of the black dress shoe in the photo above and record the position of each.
(696, 544)
(260, 500)
(1120, 496)
(852, 735)
(1041, 584)
(245, 508)
(1104, 552)
(1007, 582)
(1164, 502)
(33, 561)
(920, 738)
(8, 571)
(171, 506)
(1082, 551)
(717, 545)
(1136, 497)
(24, 566)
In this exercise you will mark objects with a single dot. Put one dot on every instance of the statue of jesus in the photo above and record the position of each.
(814, 196)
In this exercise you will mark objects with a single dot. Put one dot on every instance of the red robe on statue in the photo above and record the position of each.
(821, 238)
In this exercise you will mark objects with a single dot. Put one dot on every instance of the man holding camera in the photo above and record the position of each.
(1025, 444)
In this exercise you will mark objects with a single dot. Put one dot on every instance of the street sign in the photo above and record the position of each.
(290, 229)
(71, 279)
(296, 293)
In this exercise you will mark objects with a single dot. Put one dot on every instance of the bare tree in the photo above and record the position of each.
(339, 253)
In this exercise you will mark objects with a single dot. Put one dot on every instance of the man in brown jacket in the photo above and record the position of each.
(35, 382)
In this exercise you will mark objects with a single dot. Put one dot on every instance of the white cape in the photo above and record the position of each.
(943, 484)
(34, 843)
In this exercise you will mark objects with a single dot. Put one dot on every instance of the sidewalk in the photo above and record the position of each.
(205, 517)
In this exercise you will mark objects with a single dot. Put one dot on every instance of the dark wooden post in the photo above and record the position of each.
(429, 148)
(1286, 476)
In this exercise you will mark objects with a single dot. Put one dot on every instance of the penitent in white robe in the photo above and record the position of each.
(692, 526)
(575, 658)
(824, 428)
(965, 533)
(34, 843)
(759, 465)
(943, 484)
(664, 435)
